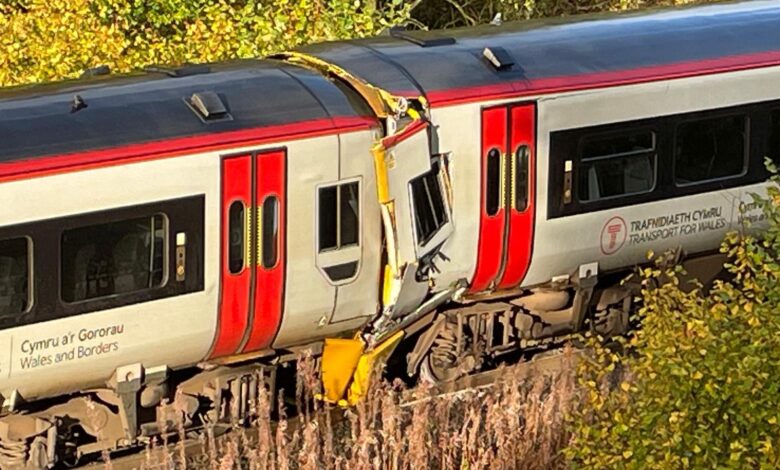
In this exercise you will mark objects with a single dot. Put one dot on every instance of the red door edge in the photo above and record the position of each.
(234, 288)
(519, 243)
(269, 283)
(492, 226)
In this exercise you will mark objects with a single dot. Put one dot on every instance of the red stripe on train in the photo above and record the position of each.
(604, 79)
(53, 164)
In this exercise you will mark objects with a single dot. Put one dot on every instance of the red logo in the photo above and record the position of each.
(613, 235)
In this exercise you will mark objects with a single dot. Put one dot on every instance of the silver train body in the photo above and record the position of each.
(171, 231)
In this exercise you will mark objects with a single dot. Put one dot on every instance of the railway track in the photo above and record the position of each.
(171, 456)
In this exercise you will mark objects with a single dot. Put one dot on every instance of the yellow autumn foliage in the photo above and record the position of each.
(43, 40)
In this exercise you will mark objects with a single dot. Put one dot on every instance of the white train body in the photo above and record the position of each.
(155, 230)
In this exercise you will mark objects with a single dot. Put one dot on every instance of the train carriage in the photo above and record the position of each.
(184, 229)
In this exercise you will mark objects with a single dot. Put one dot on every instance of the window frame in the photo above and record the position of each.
(445, 206)
(521, 180)
(243, 250)
(261, 227)
(30, 250)
(185, 214)
(772, 137)
(338, 185)
(342, 264)
(165, 261)
(580, 161)
(490, 192)
(563, 147)
(746, 147)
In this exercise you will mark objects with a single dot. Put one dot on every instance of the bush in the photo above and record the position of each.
(699, 387)
(44, 40)
(55, 39)
(451, 13)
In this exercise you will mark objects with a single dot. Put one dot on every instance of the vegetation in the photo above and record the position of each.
(699, 386)
(42, 40)
(53, 39)
(438, 14)
(517, 423)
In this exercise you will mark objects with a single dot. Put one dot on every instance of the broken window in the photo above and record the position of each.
(430, 213)
(339, 216)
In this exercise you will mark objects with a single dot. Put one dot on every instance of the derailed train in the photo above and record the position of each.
(166, 235)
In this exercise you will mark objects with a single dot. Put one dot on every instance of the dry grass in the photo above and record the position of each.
(516, 424)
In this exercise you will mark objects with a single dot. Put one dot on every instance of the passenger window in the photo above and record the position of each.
(774, 138)
(522, 155)
(493, 186)
(270, 232)
(339, 216)
(114, 258)
(14, 279)
(429, 212)
(708, 149)
(237, 237)
(616, 165)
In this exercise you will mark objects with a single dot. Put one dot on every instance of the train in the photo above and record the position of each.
(178, 234)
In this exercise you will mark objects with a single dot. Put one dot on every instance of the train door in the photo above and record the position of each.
(350, 231)
(507, 196)
(252, 251)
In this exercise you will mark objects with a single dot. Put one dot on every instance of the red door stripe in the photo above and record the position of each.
(491, 227)
(521, 220)
(271, 177)
(234, 288)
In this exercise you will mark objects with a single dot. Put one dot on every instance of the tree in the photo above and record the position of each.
(53, 39)
(699, 387)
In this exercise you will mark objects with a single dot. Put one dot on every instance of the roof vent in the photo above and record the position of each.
(422, 39)
(77, 104)
(184, 71)
(208, 106)
(96, 71)
(499, 58)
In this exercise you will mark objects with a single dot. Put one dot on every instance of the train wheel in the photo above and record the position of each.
(444, 362)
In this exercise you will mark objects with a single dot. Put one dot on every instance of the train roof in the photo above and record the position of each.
(110, 111)
(557, 55)
(447, 66)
